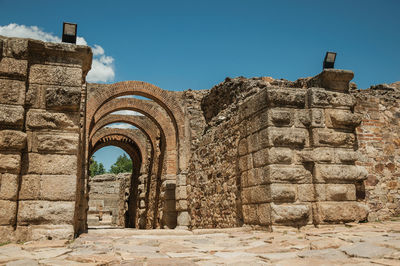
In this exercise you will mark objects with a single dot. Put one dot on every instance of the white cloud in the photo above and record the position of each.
(97, 50)
(126, 112)
(102, 65)
(121, 125)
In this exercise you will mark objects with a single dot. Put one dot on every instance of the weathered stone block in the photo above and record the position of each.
(330, 137)
(12, 116)
(346, 156)
(286, 97)
(342, 119)
(340, 192)
(336, 212)
(333, 79)
(283, 192)
(66, 143)
(280, 117)
(44, 212)
(288, 137)
(331, 173)
(46, 120)
(8, 186)
(181, 193)
(30, 187)
(52, 164)
(256, 176)
(12, 140)
(59, 187)
(245, 162)
(287, 174)
(280, 155)
(257, 121)
(317, 117)
(264, 214)
(256, 194)
(10, 163)
(242, 147)
(16, 48)
(302, 118)
(34, 97)
(7, 212)
(250, 214)
(183, 219)
(322, 154)
(54, 232)
(180, 180)
(12, 91)
(290, 213)
(260, 158)
(253, 142)
(322, 98)
(63, 98)
(55, 75)
(10, 67)
(253, 105)
(306, 192)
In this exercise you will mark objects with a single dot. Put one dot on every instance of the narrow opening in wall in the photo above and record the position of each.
(113, 188)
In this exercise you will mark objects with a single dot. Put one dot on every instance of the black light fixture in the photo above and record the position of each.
(69, 32)
(329, 61)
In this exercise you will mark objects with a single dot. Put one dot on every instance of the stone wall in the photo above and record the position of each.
(108, 199)
(40, 130)
(277, 153)
(379, 143)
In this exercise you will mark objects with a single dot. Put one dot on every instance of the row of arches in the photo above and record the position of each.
(156, 146)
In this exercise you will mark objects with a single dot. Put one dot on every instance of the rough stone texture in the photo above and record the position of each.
(40, 132)
(12, 140)
(108, 200)
(378, 138)
(276, 153)
(44, 212)
(52, 164)
(353, 244)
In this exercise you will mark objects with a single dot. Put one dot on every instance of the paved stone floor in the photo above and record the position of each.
(350, 244)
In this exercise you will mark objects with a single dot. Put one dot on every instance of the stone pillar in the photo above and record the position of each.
(335, 175)
(48, 79)
(297, 154)
(13, 84)
(181, 195)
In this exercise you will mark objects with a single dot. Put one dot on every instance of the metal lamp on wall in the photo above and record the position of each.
(329, 61)
(69, 32)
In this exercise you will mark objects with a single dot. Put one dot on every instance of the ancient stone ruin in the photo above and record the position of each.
(259, 151)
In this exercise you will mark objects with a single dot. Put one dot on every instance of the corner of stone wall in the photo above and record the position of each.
(297, 153)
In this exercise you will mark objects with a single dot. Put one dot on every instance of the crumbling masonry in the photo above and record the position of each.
(258, 151)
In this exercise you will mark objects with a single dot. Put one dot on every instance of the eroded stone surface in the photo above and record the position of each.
(237, 246)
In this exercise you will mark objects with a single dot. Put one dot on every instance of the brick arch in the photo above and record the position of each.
(162, 97)
(156, 115)
(127, 136)
(141, 122)
(131, 151)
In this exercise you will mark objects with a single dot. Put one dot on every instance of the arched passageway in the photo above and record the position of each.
(162, 123)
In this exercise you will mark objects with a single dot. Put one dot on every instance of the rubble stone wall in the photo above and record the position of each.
(379, 143)
(108, 199)
(40, 96)
(274, 154)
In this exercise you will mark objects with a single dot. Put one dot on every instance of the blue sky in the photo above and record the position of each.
(178, 45)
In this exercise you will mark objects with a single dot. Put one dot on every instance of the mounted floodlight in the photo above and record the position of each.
(329, 61)
(69, 32)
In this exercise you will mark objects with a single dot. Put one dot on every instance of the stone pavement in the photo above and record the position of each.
(351, 244)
